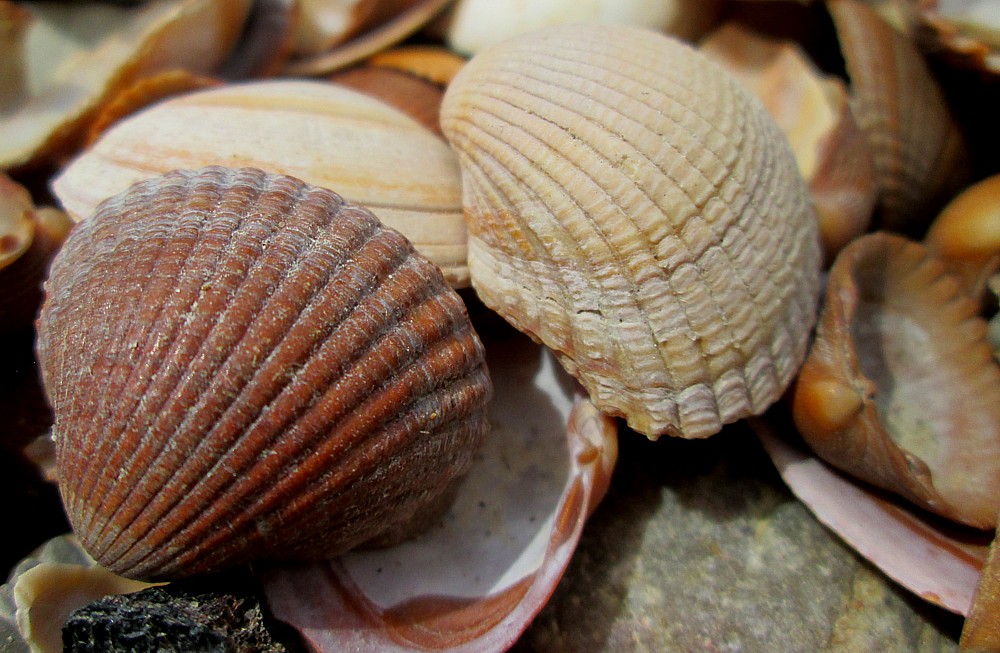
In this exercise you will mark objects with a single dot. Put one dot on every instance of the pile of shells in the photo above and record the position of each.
(252, 339)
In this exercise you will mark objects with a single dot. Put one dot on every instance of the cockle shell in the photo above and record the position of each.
(242, 366)
(324, 134)
(812, 110)
(920, 155)
(900, 388)
(633, 208)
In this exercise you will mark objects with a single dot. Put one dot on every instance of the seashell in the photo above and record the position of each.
(326, 135)
(967, 233)
(265, 45)
(460, 586)
(391, 22)
(29, 238)
(433, 63)
(143, 93)
(920, 155)
(416, 97)
(326, 23)
(812, 110)
(981, 630)
(651, 229)
(243, 366)
(477, 24)
(70, 73)
(968, 31)
(900, 386)
(937, 560)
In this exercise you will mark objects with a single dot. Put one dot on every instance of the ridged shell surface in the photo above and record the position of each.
(242, 366)
(633, 208)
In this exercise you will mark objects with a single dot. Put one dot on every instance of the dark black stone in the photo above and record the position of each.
(210, 615)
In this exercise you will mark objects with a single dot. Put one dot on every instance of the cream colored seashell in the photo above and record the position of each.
(324, 134)
(636, 210)
(812, 110)
(476, 24)
(69, 73)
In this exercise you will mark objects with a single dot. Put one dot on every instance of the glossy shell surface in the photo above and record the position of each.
(633, 208)
(327, 135)
(242, 366)
(900, 387)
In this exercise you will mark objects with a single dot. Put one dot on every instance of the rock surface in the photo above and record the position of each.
(699, 546)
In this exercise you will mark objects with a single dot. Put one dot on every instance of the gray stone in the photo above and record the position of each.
(699, 546)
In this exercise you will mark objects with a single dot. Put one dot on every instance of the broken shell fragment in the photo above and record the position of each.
(29, 238)
(900, 386)
(968, 31)
(812, 110)
(242, 366)
(919, 153)
(324, 134)
(68, 76)
(637, 211)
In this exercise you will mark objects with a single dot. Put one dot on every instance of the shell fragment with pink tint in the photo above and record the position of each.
(900, 388)
(633, 208)
(243, 366)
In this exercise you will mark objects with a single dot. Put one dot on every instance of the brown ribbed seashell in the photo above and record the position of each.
(242, 366)
(637, 211)
(900, 388)
(920, 155)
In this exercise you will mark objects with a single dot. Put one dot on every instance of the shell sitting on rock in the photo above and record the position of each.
(633, 208)
(243, 366)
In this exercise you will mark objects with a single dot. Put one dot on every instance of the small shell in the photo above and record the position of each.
(812, 110)
(967, 232)
(900, 388)
(242, 366)
(637, 211)
(920, 156)
(476, 24)
(433, 63)
(29, 238)
(324, 134)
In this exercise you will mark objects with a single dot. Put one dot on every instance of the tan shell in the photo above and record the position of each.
(324, 134)
(29, 238)
(900, 387)
(920, 155)
(812, 110)
(242, 366)
(637, 211)
(967, 232)
(77, 55)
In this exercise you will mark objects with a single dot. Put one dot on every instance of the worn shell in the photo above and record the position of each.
(324, 134)
(920, 155)
(633, 208)
(243, 366)
(900, 387)
(812, 110)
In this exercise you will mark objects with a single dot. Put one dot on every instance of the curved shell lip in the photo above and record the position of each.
(918, 149)
(17, 229)
(895, 334)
